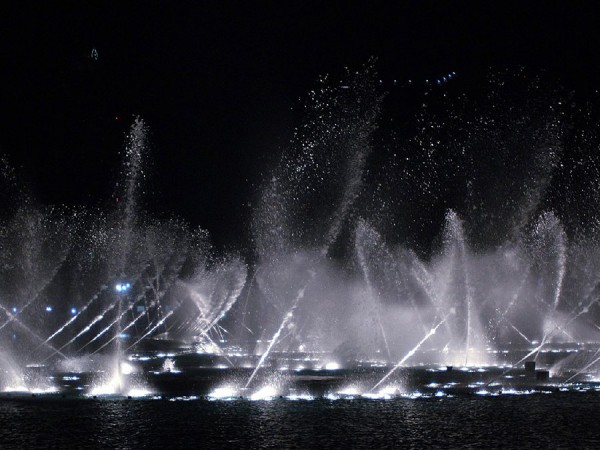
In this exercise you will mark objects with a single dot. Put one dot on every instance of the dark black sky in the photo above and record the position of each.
(217, 82)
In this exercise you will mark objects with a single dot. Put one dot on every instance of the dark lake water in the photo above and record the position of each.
(558, 420)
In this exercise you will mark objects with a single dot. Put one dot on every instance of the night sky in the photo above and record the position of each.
(220, 83)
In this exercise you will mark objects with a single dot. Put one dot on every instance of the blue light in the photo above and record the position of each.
(122, 287)
(48, 308)
(73, 311)
(14, 310)
(438, 82)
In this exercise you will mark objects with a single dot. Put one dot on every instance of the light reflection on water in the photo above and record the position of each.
(506, 420)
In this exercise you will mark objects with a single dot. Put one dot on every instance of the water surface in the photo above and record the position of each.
(539, 420)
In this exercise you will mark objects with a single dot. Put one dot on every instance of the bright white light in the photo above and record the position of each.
(110, 388)
(414, 395)
(48, 308)
(300, 397)
(266, 393)
(184, 399)
(332, 366)
(388, 390)
(73, 311)
(350, 391)
(384, 394)
(15, 389)
(223, 393)
(105, 389)
(127, 369)
(14, 309)
(376, 396)
(139, 392)
(46, 390)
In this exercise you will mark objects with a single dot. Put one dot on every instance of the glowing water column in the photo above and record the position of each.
(121, 289)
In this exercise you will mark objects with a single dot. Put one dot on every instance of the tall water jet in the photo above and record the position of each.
(455, 246)
(132, 177)
(336, 279)
(549, 235)
(547, 248)
(336, 135)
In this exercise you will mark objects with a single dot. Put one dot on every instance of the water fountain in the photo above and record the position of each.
(84, 285)
(339, 302)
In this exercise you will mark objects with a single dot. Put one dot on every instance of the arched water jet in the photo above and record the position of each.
(454, 242)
